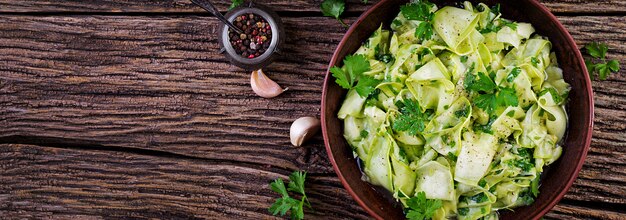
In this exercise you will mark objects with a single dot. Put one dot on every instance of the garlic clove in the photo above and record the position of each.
(302, 129)
(264, 86)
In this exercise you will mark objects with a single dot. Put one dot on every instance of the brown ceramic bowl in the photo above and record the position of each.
(556, 179)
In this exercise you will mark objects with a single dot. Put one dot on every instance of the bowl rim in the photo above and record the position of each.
(569, 40)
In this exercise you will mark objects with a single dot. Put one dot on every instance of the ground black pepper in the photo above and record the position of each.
(256, 38)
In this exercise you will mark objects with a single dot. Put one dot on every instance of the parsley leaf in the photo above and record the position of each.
(420, 11)
(283, 205)
(353, 69)
(506, 97)
(513, 74)
(486, 102)
(341, 78)
(463, 59)
(613, 65)
(279, 186)
(234, 4)
(491, 101)
(334, 8)
(597, 50)
(366, 85)
(296, 182)
(422, 208)
(287, 203)
(481, 83)
(534, 61)
(489, 95)
(356, 65)
(555, 95)
(601, 68)
(363, 133)
(424, 31)
(509, 24)
(496, 9)
(411, 119)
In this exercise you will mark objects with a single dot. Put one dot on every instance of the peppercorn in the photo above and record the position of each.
(253, 42)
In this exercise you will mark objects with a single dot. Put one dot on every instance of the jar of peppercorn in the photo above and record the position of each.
(261, 40)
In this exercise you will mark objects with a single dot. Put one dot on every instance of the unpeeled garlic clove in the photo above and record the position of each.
(264, 86)
(303, 129)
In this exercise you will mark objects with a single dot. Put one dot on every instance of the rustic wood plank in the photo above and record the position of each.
(158, 83)
(574, 212)
(43, 182)
(47, 183)
(178, 6)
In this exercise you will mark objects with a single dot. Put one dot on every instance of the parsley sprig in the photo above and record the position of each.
(411, 119)
(287, 203)
(420, 11)
(234, 4)
(352, 72)
(489, 95)
(599, 66)
(492, 27)
(422, 208)
(334, 8)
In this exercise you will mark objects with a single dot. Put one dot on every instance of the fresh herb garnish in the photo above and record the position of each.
(452, 156)
(363, 133)
(602, 68)
(479, 198)
(334, 8)
(422, 208)
(385, 58)
(463, 211)
(489, 95)
(482, 83)
(411, 119)
(234, 4)
(555, 95)
(287, 203)
(534, 61)
(482, 183)
(461, 113)
(513, 74)
(353, 69)
(496, 9)
(463, 59)
(420, 11)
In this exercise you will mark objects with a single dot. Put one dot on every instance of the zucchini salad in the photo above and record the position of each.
(454, 110)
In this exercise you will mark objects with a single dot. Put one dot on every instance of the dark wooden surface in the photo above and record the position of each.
(121, 108)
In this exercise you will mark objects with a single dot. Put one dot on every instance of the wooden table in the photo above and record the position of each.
(125, 108)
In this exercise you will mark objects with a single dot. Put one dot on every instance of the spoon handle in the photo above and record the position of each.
(208, 6)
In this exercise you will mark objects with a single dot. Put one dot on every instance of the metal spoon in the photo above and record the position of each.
(208, 6)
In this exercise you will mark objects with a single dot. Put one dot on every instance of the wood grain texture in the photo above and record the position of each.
(178, 6)
(158, 84)
(44, 183)
(155, 86)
